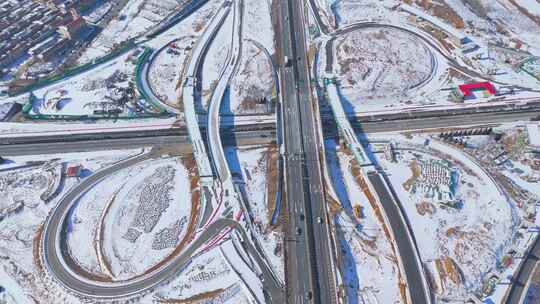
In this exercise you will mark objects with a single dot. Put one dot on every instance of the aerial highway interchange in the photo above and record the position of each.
(361, 154)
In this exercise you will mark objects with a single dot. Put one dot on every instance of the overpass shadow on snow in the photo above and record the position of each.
(348, 107)
(350, 275)
(364, 141)
(331, 142)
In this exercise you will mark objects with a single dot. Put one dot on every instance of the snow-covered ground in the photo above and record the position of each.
(85, 224)
(141, 219)
(20, 230)
(149, 218)
(166, 69)
(193, 25)
(378, 66)
(215, 59)
(367, 259)
(11, 292)
(466, 205)
(253, 166)
(502, 33)
(348, 12)
(107, 87)
(257, 23)
(469, 239)
(253, 87)
(135, 19)
(98, 13)
(512, 21)
(515, 20)
(208, 275)
(26, 187)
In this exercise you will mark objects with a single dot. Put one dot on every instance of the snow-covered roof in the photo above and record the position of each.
(533, 130)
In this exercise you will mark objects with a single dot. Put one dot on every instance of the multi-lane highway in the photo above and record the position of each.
(245, 135)
(309, 270)
(181, 143)
(298, 262)
(522, 280)
(443, 121)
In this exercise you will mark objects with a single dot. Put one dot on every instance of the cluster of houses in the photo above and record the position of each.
(38, 29)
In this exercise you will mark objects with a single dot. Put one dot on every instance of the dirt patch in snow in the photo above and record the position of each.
(440, 9)
(197, 299)
(272, 175)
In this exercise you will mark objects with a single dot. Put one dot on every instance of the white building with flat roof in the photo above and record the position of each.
(533, 131)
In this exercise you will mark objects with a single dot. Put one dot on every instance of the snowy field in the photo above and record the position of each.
(20, 229)
(461, 239)
(532, 67)
(141, 219)
(507, 28)
(347, 12)
(367, 258)
(108, 88)
(135, 19)
(254, 80)
(257, 23)
(514, 20)
(253, 87)
(255, 166)
(28, 186)
(377, 66)
(193, 25)
(209, 277)
(98, 13)
(466, 204)
(214, 61)
(166, 70)
(501, 35)
(152, 220)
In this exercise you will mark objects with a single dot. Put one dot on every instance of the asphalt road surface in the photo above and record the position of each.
(519, 287)
(405, 248)
(180, 143)
(446, 121)
(310, 272)
(298, 262)
(174, 137)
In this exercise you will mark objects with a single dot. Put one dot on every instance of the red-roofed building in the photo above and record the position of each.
(73, 171)
(467, 91)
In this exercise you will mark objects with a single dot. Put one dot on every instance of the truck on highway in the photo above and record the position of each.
(287, 61)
